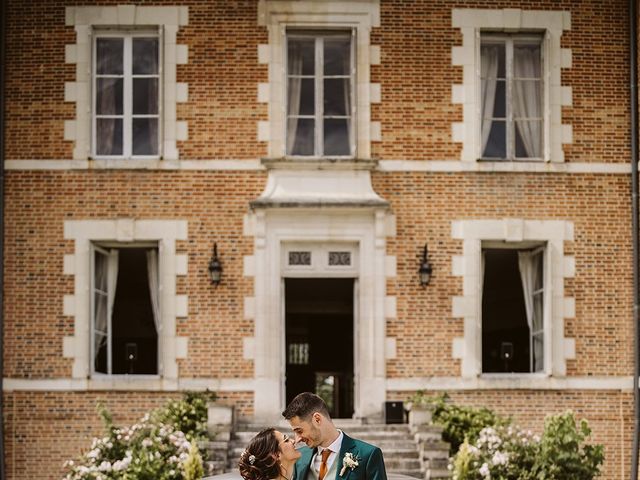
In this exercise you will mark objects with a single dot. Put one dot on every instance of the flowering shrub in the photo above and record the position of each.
(155, 448)
(509, 453)
(461, 422)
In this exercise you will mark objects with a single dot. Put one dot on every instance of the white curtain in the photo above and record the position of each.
(106, 128)
(101, 306)
(112, 277)
(294, 92)
(152, 275)
(527, 275)
(489, 72)
(527, 98)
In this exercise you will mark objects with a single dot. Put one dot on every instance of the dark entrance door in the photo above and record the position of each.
(319, 340)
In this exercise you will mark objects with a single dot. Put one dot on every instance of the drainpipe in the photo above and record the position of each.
(3, 58)
(633, 32)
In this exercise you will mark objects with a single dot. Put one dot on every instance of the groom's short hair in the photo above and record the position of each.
(304, 405)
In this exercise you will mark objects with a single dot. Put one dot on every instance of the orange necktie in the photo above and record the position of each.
(323, 466)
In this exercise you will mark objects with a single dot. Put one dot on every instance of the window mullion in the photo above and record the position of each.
(352, 82)
(110, 274)
(319, 150)
(510, 122)
(127, 126)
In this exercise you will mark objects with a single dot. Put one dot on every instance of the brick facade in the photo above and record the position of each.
(44, 428)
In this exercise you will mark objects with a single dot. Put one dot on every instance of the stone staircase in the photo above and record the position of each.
(420, 453)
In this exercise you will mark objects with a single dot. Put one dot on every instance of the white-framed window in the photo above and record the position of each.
(513, 309)
(337, 122)
(136, 119)
(512, 93)
(125, 309)
(513, 271)
(320, 94)
(127, 90)
(512, 96)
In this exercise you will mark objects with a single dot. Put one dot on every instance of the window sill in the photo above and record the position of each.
(325, 163)
(511, 160)
(126, 382)
(132, 163)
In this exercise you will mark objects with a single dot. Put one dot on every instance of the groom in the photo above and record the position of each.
(330, 453)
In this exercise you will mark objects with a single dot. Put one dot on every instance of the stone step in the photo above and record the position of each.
(411, 473)
(396, 464)
(435, 445)
(408, 451)
(346, 425)
(385, 445)
(437, 474)
(398, 443)
(438, 464)
(367, 436)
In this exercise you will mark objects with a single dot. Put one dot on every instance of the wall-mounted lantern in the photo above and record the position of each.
(425, 268)
(215, 267)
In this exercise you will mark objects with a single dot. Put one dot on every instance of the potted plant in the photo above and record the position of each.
(420, 409)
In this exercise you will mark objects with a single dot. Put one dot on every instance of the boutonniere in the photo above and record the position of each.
(349, 461)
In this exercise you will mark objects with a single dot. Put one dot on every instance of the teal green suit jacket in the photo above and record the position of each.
(370, 461)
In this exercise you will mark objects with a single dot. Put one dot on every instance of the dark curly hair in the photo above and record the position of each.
(260, 460)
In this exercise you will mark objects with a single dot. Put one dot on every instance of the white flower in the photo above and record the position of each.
(484, 470)
(147, 442)
(500, 458)
(105, 466)
(93, 453)
(349, 461)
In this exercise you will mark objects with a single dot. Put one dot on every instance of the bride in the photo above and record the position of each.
(270, 456)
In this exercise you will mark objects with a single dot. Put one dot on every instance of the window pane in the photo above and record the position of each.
(301, 56)
(336, 136)
(100, 361)
(109, 96)
(109, 136)
(494, 101)
(145, 96)
(301, 132)
(538, 316)
(145, 136)
(100, 272)
(337, 56)
(145, 56)
(337, 99)
(100, 331)
(109, 56)
(537, 283)
(527, 99)
(538, 353)
(529, 139)
(492, 60)
(301, 96)
(496, 142)
(527, 61)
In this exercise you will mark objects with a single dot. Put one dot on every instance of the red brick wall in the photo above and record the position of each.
(44, 429)
(213, 204)
(609, 414)
(416, 77)
(599, 207)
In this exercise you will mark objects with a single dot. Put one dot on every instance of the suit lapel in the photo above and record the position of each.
(348, 445)
(304, 463)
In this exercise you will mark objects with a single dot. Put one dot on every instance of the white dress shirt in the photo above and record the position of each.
(335, 450)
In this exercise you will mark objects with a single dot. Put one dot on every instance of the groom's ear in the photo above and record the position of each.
(316, 417)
